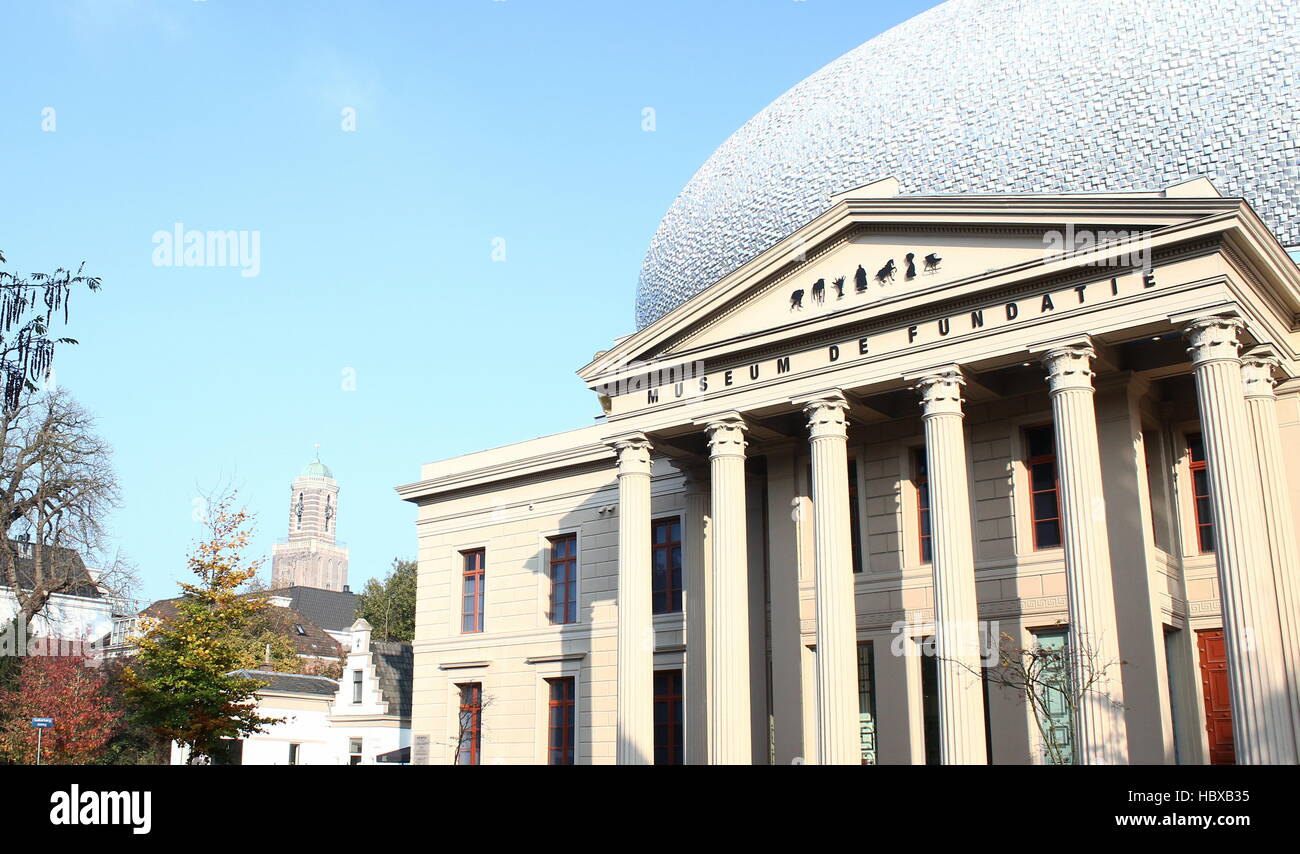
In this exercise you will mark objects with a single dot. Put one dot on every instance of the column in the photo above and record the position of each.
(728, 709)
(837, 632)
(956, 613)
(698, 562)
(1261, 730)
(1266, 446)
(635, 692)
(1101, 737)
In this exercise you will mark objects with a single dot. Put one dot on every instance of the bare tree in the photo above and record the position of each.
(57, 488)
(1054, 682)
(469, 731)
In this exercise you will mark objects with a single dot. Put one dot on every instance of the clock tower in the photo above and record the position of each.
(311, 556)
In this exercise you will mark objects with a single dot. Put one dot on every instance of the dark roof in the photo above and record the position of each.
(308, 639)
(400, 756)
(394, 665)
(57, 562)
(293, 683)
(332, 610)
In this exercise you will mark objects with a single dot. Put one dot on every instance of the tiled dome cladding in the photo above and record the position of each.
(997, 96)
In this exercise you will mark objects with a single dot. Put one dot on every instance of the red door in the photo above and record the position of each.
(1218, 708)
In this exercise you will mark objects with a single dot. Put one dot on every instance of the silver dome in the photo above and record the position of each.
(1025, 96)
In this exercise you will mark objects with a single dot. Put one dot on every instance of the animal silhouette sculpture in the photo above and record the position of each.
(819, 290)
(932, 262)
(838, 284)
(886, 273)
(796, 299)
(911, 266)
(860, 279)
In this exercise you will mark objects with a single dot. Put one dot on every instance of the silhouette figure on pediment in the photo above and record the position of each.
(911, 266)
(838, 284)
(819, 290)
(886, 273)
(860, 279)
(796, 299)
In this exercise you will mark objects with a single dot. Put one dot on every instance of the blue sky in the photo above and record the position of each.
(475, 120)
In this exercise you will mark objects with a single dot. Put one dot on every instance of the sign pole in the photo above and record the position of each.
(39, 732)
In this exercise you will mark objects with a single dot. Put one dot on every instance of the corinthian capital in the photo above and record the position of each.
(726, 435)
(940, 391)
(1069, 367)
(633, 453)
(826, 417)
(1257, 369)
(1213, 338)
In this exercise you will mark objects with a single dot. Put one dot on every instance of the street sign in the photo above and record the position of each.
(42, 723)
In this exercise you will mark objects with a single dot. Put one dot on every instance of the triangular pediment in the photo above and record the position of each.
(810, 282)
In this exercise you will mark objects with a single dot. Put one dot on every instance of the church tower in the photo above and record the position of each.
(310, 556)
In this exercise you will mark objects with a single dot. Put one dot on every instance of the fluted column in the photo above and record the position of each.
(1266, 447)
(728, 709)
(1101, 735)
(698, 562)
(952, 555)
(837, 633)
(635, 692)
(1261, 728)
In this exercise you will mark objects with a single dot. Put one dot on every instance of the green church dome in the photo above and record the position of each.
(316, 468)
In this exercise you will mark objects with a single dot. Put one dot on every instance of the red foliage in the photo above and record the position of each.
(66, 689)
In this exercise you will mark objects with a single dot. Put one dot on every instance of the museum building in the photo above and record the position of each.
(872, 444)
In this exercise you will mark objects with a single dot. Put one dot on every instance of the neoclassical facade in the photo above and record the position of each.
(824, 490)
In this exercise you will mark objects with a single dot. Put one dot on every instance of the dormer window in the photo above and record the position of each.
(300, 630)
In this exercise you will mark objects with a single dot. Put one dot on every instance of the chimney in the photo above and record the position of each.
(266, 664)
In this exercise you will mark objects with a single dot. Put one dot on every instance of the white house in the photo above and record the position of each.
(354, 721)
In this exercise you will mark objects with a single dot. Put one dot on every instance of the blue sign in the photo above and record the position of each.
(42, 723)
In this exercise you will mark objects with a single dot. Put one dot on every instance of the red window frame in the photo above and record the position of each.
(473, 577)
(921, 482)
(564, 579)
(561, 726)
(470, 749)
(1043, 464)
(1200, 492)
(668, 712)
(666, 565)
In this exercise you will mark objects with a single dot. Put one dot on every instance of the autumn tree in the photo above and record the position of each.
(65, 688)
(182, 683)
(389, 606)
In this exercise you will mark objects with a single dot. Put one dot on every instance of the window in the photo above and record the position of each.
(1201, 492)
(1044, 501)
(666, 564)
(356, 686)
(668, 717)
(930, 701)
(560, 730)
(921, 481)
(855, 517)
(1058, 742)
(354, 751)
(293, 753)
(471, 611)
(867, 703)
(471, 724)
(564, 579)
